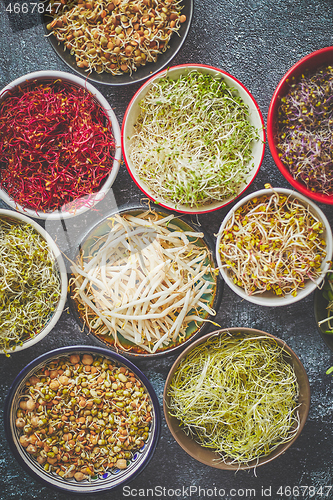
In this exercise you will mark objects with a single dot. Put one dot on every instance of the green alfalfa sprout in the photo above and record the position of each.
(29, 283)
(193, 140)
(236, 394)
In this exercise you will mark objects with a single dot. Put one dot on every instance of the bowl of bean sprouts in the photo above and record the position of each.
(236, 398)
(82, 420)
(33, 289)
(193, 138)
(274, 247)
(144, 282)
(120, 42)
(299, 125)
(60, 145)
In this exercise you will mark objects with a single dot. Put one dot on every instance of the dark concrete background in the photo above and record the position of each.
(256, 41)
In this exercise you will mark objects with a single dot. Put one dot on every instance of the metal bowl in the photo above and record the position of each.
(113, 477)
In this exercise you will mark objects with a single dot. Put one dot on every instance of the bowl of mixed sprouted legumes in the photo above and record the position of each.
(113, 42)
(82, 420)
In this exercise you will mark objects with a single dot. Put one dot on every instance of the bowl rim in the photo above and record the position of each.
(189, 4)
(185, 67)
(98, 96)
(210, 244)
(67, 350)
(312, 285)
(317, 297)
(262, 460)
(279, 92)
(62, 273)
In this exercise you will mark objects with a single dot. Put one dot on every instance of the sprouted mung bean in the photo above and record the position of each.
(144, 279)
(82, 415)
(304, 132)
(193, 140)
(29, 283)
(273, 243)
(237, 395)
(115, 37)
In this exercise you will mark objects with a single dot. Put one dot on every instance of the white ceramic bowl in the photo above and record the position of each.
(17, 217)
(268, 298)
(133, 111)
(69, 210)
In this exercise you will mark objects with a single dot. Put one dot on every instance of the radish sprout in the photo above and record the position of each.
(144, 279)
(237, 395)
(193, 140)
(273, 243)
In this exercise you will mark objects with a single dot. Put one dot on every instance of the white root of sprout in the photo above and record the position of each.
(146, 280)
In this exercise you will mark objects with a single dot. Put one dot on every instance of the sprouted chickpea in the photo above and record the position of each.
(81, 416)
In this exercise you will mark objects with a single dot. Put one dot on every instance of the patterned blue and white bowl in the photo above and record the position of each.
(113, 477)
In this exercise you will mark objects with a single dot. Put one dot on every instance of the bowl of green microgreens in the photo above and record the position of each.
(299, 125)
(323, 310)
(193, 138)
(33, 288)
(274, 247)
(236, 398)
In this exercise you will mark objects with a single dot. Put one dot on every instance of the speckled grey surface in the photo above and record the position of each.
(256, 41)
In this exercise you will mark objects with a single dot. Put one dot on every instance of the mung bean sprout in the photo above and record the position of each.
(29, 283)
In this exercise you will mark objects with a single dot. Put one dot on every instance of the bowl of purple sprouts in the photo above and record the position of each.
(300, 125)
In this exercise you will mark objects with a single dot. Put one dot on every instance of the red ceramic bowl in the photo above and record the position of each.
(310, 62)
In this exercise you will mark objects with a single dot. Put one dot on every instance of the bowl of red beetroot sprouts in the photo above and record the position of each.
(59, 145)
(274, 247)
(193, 138)
(299, 125)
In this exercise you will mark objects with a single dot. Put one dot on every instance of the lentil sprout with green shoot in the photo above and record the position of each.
(237, 395)
(29, 283)
(81, 416)
(193, 140)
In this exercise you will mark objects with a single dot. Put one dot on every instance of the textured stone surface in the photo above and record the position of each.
(256, 41)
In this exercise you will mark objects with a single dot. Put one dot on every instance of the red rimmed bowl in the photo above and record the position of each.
(257, 146)
(309, 63)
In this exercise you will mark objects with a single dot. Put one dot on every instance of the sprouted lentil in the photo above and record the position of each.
(193, 140)
(237, 395)
(29, 283)
(304, 135)
(273, 243)
(115, 36)
(82, 415)
(145, 279)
